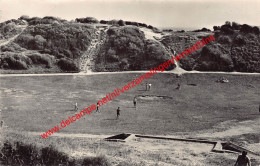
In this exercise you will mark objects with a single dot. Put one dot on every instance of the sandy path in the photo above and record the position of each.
(12, 38)
(233, 128)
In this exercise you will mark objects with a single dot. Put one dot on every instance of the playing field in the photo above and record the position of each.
(202, 108)
(40, 102)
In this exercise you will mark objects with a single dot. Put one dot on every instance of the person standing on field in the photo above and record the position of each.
(118, 112)
(134, 101)
(243, 160)
(149, 86)
(76, 106)
(97, 107)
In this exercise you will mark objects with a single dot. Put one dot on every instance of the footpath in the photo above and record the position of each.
(87, 59)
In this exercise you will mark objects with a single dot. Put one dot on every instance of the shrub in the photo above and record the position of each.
(96, 161)
(22, 154)
(121, 23)
(7, 153)
(39, 42)
(128, 23)
(103, 22)
(246, 28)
(135, 24)
(34, 21)
(24, 17)
(41, 59)
(227, 29)
(8, 27)
(256, 30)
(239, 40)
(212, 58)
(25, 40)
(150, 26)
(50, 156)
(224, 40)
(12, 47)
(14, 61)
(202, 30)
(236, 26)
(88, 20)
(143, 25)
(67, 65)
(113, 22)
(111, 55)
(216, 28)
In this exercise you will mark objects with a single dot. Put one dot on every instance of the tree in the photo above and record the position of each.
(89, 20)
(216, 28)
(235, 26)
(227, 23)
(103, 22)
(113, 22)
(246, 28)
(121, 23)
(24, 17)
(150, 26)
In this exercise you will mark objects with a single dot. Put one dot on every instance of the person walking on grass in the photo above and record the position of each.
(179, 87)
(118, 112)
(97, 107)
(243, 160)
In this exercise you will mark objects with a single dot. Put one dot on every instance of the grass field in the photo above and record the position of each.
(38, 103)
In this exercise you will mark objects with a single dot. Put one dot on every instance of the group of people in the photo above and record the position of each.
(147, 87)
(97, 110)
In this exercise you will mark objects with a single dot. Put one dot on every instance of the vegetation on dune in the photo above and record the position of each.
(18, 153)
(202, 30)
(87, 20)
(9, 29)
(236, 48)
(65, 42)
(51, 42)
(127, 49)
(18, 61)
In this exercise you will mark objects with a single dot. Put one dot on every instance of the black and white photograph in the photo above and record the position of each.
(129, 83)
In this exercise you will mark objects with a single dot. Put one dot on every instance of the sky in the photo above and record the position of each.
(160, 13)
